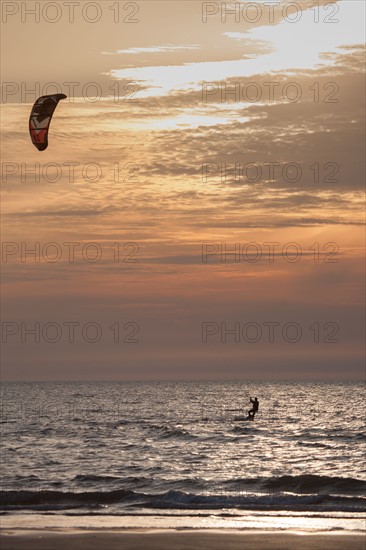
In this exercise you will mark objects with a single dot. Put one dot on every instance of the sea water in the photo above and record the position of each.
(176, 449)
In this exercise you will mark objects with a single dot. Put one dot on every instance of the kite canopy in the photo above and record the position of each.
(40, 119)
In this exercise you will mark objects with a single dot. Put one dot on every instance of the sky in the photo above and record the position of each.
(191, 130)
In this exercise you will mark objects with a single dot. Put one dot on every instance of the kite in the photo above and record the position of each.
(40, 119)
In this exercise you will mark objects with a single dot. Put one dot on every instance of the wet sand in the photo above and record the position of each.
(174, 540)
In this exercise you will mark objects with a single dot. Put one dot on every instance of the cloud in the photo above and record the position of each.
(59, 213)
(164, 48)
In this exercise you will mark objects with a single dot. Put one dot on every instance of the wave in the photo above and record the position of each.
(270, 501)
(160, 431)
(153, 480)
(95, 478)
(56, 500)
(314, 483)
(305, 484)
(59, 499)
(166, 432)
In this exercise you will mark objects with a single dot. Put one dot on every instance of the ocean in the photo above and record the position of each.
(177, 449)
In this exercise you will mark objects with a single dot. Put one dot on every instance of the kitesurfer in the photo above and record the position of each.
(254, 408)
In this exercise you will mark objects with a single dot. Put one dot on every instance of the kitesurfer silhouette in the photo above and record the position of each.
(254, 409)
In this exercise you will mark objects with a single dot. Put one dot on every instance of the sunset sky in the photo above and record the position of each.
(161, 184)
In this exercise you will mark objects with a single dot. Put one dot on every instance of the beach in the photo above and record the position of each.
(21, 531)
(175, 540)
